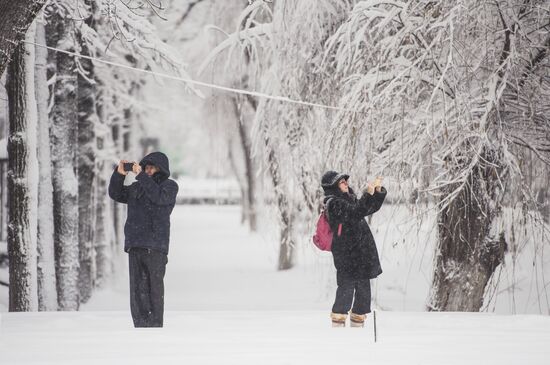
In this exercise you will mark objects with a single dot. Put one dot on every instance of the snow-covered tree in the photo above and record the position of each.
(60, 33)
(15, 18)
(282, 55)
(456, 88)
(234, 111)
(22, 179)
(86, 154)
(94, 118)
(47, 291)
(443, 97)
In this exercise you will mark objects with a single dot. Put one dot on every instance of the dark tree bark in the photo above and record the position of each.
(21, 243)
(242, 186)
(104, 241)
(543, 197)
(249, 199)
(64, 144)
(104, 229)
(87, 119)
(467, 255)
(15, 18)
(287, 243)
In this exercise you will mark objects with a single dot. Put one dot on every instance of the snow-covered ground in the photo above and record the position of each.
(273, 337)
(197, 190)
(216, 264)
(227, 304)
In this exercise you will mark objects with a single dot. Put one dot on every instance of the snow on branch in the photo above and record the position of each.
(131, 29)
(437, 92)
(251, 36)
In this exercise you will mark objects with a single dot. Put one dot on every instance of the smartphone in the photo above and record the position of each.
(128, 166)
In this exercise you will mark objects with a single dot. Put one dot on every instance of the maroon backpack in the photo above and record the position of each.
(323, 234)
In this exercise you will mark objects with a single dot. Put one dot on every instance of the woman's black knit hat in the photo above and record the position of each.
(330, 179)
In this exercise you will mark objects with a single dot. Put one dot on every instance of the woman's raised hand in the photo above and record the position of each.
(370, 188)
(378, 183)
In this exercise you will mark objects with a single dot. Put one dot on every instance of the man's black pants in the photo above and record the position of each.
(147, 268)
(345, 297)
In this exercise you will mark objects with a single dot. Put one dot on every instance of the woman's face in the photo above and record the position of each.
(343, 185)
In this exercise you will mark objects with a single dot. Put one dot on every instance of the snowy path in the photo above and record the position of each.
(216, 264)
(226, 304)
(264, 337)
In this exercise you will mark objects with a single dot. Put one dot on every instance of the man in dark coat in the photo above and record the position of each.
(147, 233)
(353, 247)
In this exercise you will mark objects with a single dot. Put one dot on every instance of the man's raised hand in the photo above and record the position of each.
(136, 168)
(120, 168)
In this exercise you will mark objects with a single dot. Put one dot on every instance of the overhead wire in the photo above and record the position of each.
(199, 83)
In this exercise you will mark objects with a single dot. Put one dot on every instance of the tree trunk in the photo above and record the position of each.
(104, 241)
(64, 145)
(22, 180)
(3, 201)
(15, 18)
(287, 243)
(242, 185)
(543, 197)
(87, 119)
(249, 200)
(47, 293)
(119, 210)
(467, 255)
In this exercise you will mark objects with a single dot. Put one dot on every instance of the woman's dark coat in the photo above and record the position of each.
(150, 202)
(354, 250)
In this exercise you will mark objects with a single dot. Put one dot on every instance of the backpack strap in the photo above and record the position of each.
(326, 206)
(326, 213)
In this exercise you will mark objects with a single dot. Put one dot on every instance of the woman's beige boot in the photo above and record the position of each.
(338, 319)
(357, 320)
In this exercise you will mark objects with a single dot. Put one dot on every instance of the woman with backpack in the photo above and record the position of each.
(353, 247)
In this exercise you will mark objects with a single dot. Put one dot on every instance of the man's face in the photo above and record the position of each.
(150, 170)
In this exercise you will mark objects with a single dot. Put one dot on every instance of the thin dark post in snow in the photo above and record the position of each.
(21, 180)
(47, 291)
(374, 323)
(63, 134)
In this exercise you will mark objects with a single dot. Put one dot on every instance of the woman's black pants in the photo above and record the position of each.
(147, 268)
(356, 292)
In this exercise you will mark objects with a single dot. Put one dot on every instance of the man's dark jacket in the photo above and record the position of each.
(150, 201)
(354, 250)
